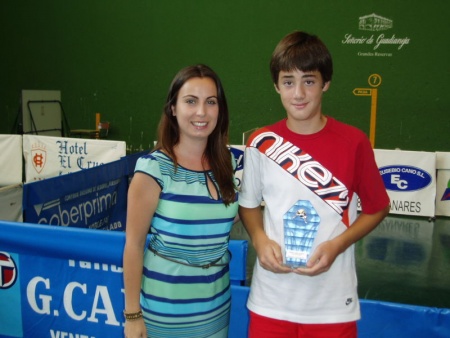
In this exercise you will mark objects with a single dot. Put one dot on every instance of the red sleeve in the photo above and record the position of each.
(368, 184)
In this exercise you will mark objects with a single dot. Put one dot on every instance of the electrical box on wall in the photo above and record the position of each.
(42, 112)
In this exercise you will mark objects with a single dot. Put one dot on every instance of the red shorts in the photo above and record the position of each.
(264, 327)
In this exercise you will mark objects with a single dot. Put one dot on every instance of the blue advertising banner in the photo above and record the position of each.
(95, 198)
(73, 303)
(238, 152)
(64, 282)
(60, 282)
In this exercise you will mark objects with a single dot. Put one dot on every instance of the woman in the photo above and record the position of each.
(184, 193)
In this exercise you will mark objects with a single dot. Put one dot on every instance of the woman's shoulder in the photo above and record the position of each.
(155, 155)
(152, 160)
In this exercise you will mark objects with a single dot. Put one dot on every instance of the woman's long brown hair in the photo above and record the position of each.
(216, 153)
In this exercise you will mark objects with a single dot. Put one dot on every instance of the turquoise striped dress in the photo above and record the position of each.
(190, 227)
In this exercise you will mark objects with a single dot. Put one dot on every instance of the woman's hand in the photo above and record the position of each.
(135, 328)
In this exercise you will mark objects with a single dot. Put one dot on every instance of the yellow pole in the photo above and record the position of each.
(373, 116)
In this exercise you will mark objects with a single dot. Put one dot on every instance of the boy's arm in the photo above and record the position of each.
(325, 254)
(268, 251)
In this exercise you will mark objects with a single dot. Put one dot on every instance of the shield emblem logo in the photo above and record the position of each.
(38, 158)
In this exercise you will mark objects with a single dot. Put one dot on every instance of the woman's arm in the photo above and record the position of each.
(143, 197)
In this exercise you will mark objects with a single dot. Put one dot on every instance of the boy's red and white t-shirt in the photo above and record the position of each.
(309, 185)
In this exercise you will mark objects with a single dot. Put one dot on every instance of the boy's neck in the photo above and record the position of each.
(307, 127)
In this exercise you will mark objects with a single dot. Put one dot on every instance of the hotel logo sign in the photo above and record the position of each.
(375, 37)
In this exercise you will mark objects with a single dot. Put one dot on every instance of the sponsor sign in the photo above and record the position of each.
(443, 184)
(58, 288)
(47, 156)
(67, 282)
(410, 180)
(404, 178)
(87, 293)
(8, 275)
(94, 198)
(10, 295)
(374, 35)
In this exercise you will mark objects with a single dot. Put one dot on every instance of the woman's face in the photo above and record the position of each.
(196, 109)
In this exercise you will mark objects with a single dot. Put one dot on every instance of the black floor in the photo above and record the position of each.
(404, 260)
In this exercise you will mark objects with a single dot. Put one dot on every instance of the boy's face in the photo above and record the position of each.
(301, 95)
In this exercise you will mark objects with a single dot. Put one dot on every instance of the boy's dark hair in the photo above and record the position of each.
(302, 51)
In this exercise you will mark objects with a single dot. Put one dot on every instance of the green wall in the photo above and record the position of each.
(118, 57)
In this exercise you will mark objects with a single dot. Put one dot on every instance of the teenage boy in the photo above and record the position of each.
(308, 169)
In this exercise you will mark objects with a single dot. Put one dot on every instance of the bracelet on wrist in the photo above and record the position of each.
(130, 316)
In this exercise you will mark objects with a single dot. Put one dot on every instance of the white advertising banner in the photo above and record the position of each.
(47, 156)
(10, 159)
(11, 203)
(410, 180)
(443, 184)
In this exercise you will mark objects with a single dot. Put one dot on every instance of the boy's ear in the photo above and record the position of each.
(326, 85)
(276, 88)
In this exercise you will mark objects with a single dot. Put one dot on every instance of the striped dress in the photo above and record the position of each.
(188, 227)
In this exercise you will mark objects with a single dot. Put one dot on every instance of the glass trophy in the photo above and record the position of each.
(301, 224)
